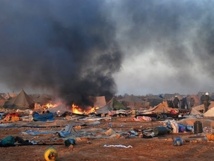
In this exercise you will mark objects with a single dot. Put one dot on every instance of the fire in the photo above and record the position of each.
(78, 110)
(52, 105)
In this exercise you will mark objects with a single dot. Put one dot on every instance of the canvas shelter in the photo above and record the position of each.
(41, 99)
(209, 113)
(134, 102)
(21, 101)
(160, 108)
(200, 108)
(112, 105)
(100, 101)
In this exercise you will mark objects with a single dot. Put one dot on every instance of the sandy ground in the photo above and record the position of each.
(153, 149)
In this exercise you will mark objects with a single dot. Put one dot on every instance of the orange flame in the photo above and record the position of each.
(52, 105)
(78, 110)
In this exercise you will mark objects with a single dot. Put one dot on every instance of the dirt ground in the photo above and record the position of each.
(151, 149)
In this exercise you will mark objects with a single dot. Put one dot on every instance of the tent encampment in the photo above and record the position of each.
(21, 101)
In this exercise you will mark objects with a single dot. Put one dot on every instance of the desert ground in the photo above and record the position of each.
(93, 149)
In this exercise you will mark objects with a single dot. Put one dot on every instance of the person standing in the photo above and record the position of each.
(184, 103)
(192, 102)
(176, 102)
(205, 101)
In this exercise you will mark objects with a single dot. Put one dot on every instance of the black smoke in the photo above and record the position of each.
(73, 47)
(67, 47)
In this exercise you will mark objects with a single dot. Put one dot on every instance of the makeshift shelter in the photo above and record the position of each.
(100, 101)
(209, 113)
(116, 105)
(21, 101)
(134, 102)
(200, 108)
(112, 105)
(41, 99)
(160, 108)
(105, 109)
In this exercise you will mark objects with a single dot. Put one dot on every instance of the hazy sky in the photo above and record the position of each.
(107, 47)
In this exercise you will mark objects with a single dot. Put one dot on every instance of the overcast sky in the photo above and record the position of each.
(113, 46)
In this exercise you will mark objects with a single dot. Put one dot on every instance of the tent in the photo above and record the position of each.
(21, 101)
(112, 105)
(100, 101)
(209, 113)
(134, 102)
(160, 108)
(200, 108)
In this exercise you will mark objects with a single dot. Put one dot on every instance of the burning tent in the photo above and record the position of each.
(83, 109)
(11, 117)
(21, 101)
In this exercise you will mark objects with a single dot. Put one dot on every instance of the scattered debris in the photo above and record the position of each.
(117, 146)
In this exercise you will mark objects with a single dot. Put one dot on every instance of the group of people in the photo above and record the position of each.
(185, 103)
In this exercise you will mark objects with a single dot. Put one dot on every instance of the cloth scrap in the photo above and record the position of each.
(118, 146)
(32, 132)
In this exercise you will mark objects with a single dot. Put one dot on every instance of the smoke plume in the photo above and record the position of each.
(67, 47)
(76, 48)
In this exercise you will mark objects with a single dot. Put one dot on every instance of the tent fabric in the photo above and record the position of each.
(21, 101)
(113, 104)
(118, 105)
(43, 117)
(134, 102)
(105, 109)
(100, 101)
(209, 113)
(160, 108)
(41, 99)
(200, 108)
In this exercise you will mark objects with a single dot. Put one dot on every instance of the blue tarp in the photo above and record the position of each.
(33, 132)
(66, 131)
(48, 116)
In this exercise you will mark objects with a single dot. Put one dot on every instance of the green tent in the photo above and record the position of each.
(112, 105)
